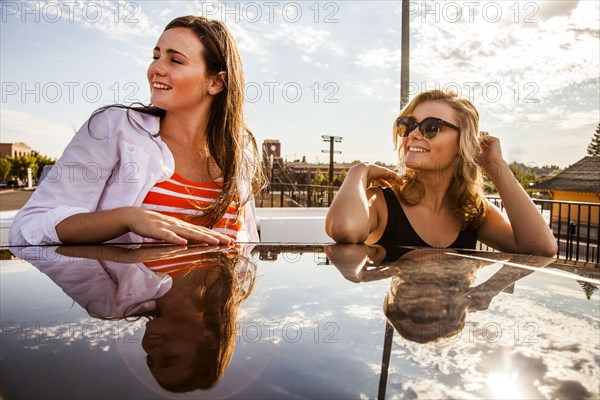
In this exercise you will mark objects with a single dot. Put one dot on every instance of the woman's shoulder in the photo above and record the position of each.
(384, 193)
(116, 117)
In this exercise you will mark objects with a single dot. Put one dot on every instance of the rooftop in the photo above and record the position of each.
(583, 176)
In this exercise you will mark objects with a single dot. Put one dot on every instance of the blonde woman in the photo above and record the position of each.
(438, 200)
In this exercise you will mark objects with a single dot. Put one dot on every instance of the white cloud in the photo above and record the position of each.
(47, 137)
(549, 56)
(379, 58)
(166, 11)
(309, 39)
(120, 20)
(371, 312)
(555, 8)
(520, 332)
(247, 41)
(578, 120)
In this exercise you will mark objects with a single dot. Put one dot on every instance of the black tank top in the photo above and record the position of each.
(399, 231)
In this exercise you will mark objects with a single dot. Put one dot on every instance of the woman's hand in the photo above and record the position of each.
(100, 226)
(135, 255)
(525, 231)
(382, 175)
(490, 155)
(150, 224)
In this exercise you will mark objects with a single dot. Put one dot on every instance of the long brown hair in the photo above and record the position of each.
(466, 186)
(229, 141)
(232, 280)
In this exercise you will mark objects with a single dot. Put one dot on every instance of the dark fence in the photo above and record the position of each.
(575, 225)
(297, 195)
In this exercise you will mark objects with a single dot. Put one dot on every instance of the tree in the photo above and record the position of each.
(338, 179)
(319, 179)
(593, 148)
(41, 161)
(5, 168)
(523, 174)
(20, 164)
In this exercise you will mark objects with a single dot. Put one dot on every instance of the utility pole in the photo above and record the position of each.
(331, 151)
(404, 76)
(405, 53)
(331, 140)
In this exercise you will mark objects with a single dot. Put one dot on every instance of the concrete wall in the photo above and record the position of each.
(292, 225)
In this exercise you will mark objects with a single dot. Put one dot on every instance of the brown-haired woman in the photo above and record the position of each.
(183, 169)
(438, 201)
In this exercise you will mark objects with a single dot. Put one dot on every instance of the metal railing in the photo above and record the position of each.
(296, 195)
(575, 225)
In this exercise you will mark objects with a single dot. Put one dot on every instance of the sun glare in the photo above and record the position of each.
(503, 386)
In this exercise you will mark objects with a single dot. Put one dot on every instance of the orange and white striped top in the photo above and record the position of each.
(173, 266)
(183, 199)
(179, 264)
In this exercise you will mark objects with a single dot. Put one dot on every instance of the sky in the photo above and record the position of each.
(319, 68)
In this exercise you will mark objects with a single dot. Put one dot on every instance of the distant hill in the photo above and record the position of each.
(535, 169)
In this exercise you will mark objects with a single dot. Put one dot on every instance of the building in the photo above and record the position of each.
(578, 183)
(272, 161)
(14, 149)
(303, 172)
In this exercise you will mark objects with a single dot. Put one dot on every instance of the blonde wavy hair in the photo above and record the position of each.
(466, 187)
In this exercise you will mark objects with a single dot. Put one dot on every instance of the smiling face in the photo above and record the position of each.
(178, 77)
(438, 153)
(190, 340)
(172, 343)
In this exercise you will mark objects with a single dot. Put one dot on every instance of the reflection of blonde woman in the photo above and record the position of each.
(430, 292)
(429, 301)
(438, 201)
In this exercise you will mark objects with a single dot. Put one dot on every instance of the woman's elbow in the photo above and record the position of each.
(546, 249)
(344, 231)
(549, 249)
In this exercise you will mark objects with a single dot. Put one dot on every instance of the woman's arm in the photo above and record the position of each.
(100, 226)
(63, 208)
(525, 231)
(354, 212)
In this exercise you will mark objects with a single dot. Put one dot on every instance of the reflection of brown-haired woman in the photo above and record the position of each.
(190, 337)
(191, 296)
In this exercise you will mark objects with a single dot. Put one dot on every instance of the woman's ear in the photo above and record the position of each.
(217, 83)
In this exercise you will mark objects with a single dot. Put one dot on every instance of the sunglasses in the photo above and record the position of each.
(429, 127)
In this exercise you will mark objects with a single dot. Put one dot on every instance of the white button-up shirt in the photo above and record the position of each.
(112, 163)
